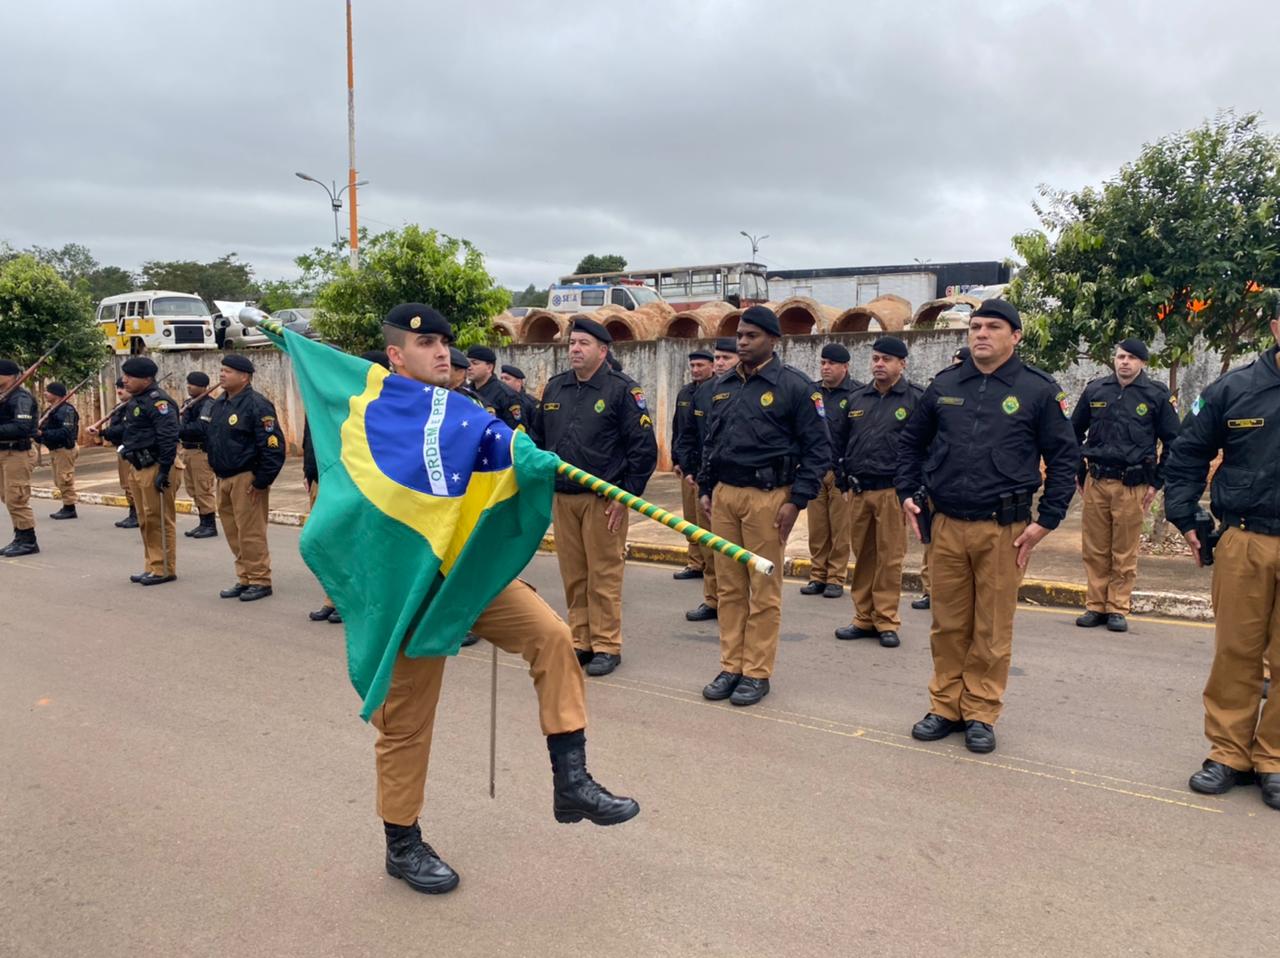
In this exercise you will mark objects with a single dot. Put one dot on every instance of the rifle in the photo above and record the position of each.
(120, 405)
(195, 399)
(65, 399)
(30, 371)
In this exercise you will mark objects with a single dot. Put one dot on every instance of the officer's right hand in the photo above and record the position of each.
(162, 481)
(706, 504)
(92, 430)
(692, 480)
(1193, 540)
(679, 473)
(911, 510)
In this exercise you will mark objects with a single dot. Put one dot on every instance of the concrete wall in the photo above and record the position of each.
(660, 366)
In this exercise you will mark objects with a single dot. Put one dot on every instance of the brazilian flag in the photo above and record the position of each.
(428, 508)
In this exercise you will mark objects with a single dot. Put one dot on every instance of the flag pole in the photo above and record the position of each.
(493, 721)
(690, 530)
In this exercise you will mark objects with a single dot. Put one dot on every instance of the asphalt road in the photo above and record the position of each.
(184, 775)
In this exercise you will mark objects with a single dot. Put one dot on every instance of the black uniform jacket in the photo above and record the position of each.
(873, 422)
(150, 429)
(770, 420)
(193, 430)
(62, 428)
(243, 436)
(17, 420)
(601, 425)
(975, 437)
(501, 400)
(1119, 425)
(835, 401)
(686, 450)
(113, 432)
(1239, 414)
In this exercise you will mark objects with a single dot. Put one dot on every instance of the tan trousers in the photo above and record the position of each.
(312, 491)
(244, 522)
(15, 480)
(709, 583)
(155, 520)
(829, 542)
(201, 482)
(878, 532)
(689, 505)
(1246, 580)
(975, 592)
(122, 470)
(750, 604)
(63, 462)
(924, 571)
(591, 565)
(517, 621)
(1112, 527)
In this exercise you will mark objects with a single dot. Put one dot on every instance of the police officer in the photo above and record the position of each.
(683, 449)
(922, 603)
(829, 511)
(876, 415)
(150, 446)
(459, 367)
(598, 420)
(724, 358)
(61, 436)
(113, 434)
(517, 621)
(193, 427)
(246, 452)
(497, 399)
(767, 450)
(514, 379)
(1239, 415)
(1118, 419)
(17, 429)
(974, 444)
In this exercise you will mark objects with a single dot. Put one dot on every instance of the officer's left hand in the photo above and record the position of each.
(614, 512)
(785, 520)
(162, 480)
(1149, 497)
(1030, 537)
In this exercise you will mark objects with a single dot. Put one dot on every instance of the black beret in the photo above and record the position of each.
(761, 317)
(376, 356)
(727, 344)
(584, 324)
(120, 383)
(962, 353)
(9, 368)
(1000, 310)
(890, 346)
(834, 352)
(197, 379)
(140, 366)
(482, 353)
(515, 372)
(702, 353)
(56, 389)
(458, 359)
(418, 318)
(1136, 347)
(614, 363)
(237, 362)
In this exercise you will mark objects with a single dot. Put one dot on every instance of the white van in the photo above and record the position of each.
(152, 320)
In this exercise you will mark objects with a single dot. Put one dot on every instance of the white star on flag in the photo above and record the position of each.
(465, 424)
(456, 477)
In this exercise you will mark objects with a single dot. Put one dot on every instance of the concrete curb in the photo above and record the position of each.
(1042, 592)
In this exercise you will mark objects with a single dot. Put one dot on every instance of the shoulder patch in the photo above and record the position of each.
(1062, 403)
(515, 411)
(273, 442)
(646, 422)
(162, 406)
(269, 423)
(638, 395)
(816, 399)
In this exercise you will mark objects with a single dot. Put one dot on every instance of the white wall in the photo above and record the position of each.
(842, 291)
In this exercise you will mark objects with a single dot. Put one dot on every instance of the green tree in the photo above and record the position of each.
(409, 265)
(608, 263)
(37, 309)
(273, 294)
(108, 281)
(531, 296)
(224, 278)
(1177, 249)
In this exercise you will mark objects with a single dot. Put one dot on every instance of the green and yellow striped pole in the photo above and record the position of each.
(690, 530)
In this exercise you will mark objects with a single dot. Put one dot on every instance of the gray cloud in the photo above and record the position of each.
(851, 133)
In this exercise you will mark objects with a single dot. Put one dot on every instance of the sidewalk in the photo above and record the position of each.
(1167, 585)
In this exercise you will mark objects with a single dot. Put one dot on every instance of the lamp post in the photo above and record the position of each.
(754, 241)
(335, 199)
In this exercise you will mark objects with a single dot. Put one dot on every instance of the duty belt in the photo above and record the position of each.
(1099, 471)
(15, 445)
(199, 446)
(1267, 526)
(870, 483)
(1009, 508)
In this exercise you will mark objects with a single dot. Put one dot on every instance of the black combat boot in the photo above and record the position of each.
(23, 544)
(130, 521)
(577, 794)
(412, 859)
(208, 528)
(66, 512)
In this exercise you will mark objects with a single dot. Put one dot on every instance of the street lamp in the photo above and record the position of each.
(754, 241)
(335, 199)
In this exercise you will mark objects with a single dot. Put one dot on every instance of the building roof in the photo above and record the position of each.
(834, 271)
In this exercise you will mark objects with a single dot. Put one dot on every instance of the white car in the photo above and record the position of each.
(230, 332)
(298, 320)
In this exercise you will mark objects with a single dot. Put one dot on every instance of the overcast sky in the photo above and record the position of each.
(854, 133)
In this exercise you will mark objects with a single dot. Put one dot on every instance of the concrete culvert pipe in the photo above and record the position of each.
(542, 326)
(801, 316)
(727, 324)
(857, 319)
(683, 326)
(508, 323)
(927, 315)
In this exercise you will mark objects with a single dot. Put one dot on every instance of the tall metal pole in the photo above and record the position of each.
(337, 205)
(351, 143)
